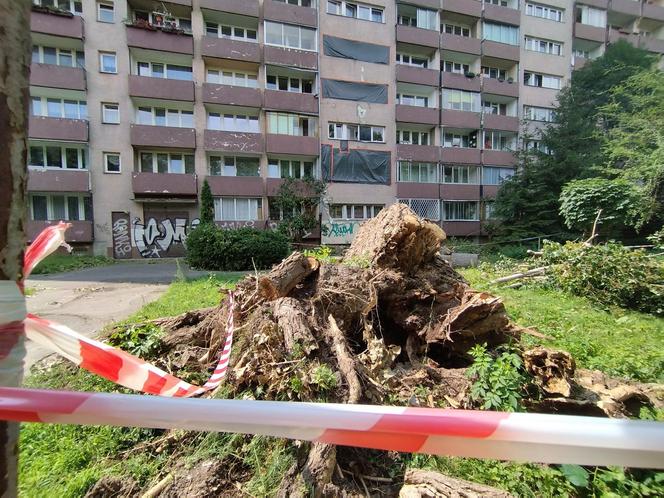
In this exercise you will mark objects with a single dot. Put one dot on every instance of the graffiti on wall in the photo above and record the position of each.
(162, 237)
(121, 235)
(339, 232)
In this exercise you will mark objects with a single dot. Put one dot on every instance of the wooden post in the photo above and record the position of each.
(15, 49)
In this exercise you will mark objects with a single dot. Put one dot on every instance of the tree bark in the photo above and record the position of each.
(429, 484)
(15, 47)
(292, 322)
(286, 275)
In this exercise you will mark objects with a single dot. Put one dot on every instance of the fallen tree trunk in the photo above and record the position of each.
(429, 484)
(518, 276)
(285, 276)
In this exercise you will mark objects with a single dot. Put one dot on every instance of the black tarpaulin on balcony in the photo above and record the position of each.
(355, 166)
(360, 92)
(359, 51)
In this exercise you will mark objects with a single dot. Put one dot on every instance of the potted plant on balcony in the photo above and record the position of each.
(469, 74)
(510, 80)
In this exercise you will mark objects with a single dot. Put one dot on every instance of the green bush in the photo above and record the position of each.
(211, 248)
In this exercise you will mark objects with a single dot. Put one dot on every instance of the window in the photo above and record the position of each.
(537, 146)
(542, 80)
(159, 70)
(354, 211)
(166, 162)
(460, 211)
(461, 174)
(56, 207)
(489, 210)
(362, 133)
(456, 29)
(111, 162)
(291, 36)
(275, 212)
(498, 140)
(110, 113)
(58, 56)
(501, 33)
(49, 155)
(73, 6)
(501, 3)
(159, 20)
(495, 176)
(233, 122)
(414, 100)
(494, 72)
(464, 140)
(412, 60)
(418, 18)
(238, 209)
(544, 46)
(105, 12)
(291, 124)
(107, 62)
(356, 10)
(489, 107)
(284, 168)
(232, 78)
(425, 208)
(159, 116)
(591, 16)
(418, 172)
(413, 137)
(231, 32)
(539, 113)
(544, 12)
(59, 108)
(460, 100)
(289, 84)
(580, 53)
(234, 166)
(455, 67)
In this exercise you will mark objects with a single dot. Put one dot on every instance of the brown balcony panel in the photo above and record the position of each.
(426, 153)
(58, 25)
(458, 192)
(500, 50)
(52, 76)
(615, 35)
(497, 87)
(489, 191)
(241, 7)
(163, 185)
(454, 155)
(222, 48)
(502, 14)
(463, 44)
(80, 231)
(600, 4)
(291, 101)
(498, 122)
(274, 184)
(253, 186)
(460, 82)
(655, 12)
(461, 228)
(158, 40)
(287, 144)
(498, 158)
(290, 57)
(653, 44)
(160, 88)
(417, 75)
(291, 14)
(460, 119)
(233, 141)
(68, 130)
(231, 95)
(429, 4)
(414, 114)
(592, 33)
(418, 36)
(162, 136)
(406, 190)
(628, 7)
(467, 7)
(50, 180)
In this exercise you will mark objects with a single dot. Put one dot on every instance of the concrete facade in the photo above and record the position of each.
(211, 94)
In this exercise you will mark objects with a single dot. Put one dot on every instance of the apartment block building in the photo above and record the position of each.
(135, 103)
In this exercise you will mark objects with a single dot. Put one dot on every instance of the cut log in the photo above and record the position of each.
(292, 321)
(553, 370)
(345, 361)
(429, 484)
(283, 278)
(517, 276)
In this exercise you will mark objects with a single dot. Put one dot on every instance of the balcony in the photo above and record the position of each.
(290, 101)
(160, 88)
(418, 36)
(58, 180)
(251, 186)
(292, 14)
(496, 87)
(69, 26)
(457, 43)
(489, 191)
(159, 40)
(466, 7)
(498, 158)
(162, 136)
(459, 155)
(615, 35)
(233, 141)
(290, 57)
(600, 4)
(651, 11)
(460, 192)
(231, 95)
(414, 114)
(460, 119)
(274, 184)
(461, 228)
(63, 129)
(223, 48)
(500, 14)
(460, 82)
(52, 76)
(153, 185)
(240, 7)
(416, 190)
(500, 50)
(652, 44)
(592, 33)
(80, 231)
(630, 8)
(498, 122)
(425, 153)
(288, 144)
(417, 75)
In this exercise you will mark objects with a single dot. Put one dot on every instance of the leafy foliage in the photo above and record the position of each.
(58, 262)
(497, 382)
(211, 248)
(297, 199)
(207, 204)
(321, 253)
(140, 339)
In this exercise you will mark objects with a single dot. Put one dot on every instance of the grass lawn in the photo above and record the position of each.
(56, 263)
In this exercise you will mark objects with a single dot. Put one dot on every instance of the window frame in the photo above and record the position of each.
(531, 10)
(283, 43)
(50, 215)
(105, 157)
(232, 36)
(81, 156)
(273, 117)
(342, 9)
(81, 107)
(105, 107)
(224, 163)
(444, 209)
(401, 141)
(219, 209)
(155, 159)
(415, 168)
(104, 53)
(167, 112)
(470, 171)
(277, 164)
(533, 44)
(235, 75)
(499, 170)
(348, 211)
(251, 121)
(346, 132)
(110, 5)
